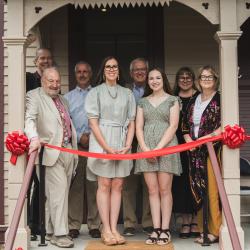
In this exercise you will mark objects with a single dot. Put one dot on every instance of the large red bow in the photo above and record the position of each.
(234, 136)
(17, 144)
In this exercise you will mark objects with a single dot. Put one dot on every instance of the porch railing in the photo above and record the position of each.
(19, 206)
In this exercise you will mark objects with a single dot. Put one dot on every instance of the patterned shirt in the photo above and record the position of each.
(76, 99)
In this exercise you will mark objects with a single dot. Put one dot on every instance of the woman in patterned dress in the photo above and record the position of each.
(203, 120)
(156, 123)
(111, 112)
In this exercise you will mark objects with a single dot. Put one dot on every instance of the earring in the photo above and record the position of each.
(118, 77)
(104, 78)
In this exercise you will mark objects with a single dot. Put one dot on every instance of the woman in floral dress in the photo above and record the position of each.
(203, 120)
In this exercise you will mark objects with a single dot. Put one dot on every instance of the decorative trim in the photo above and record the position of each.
(122, 3)
(11, 41)
(220, 35)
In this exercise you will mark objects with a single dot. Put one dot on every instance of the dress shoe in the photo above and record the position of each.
(129, 231)
(95, 233)
(73, 233)
(148, 230)
(33, 237)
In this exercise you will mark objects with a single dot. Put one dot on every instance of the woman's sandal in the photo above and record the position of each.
(164, 240)
(119, 239)
(151, 240)
(185, 235)
(192, 233)
(108, 239)
(210, 239)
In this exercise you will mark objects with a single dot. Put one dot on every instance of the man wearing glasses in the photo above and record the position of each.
(138, 73)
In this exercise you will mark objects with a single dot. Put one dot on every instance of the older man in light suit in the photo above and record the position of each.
(47, 120)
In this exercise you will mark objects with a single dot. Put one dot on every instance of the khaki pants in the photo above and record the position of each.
(130, 188)
(76, 199)
(58, 178)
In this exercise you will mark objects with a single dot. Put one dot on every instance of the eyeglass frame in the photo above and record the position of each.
(207, 78)
(111, 67)
(185, 79)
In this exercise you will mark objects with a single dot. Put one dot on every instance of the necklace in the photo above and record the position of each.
(112, 96)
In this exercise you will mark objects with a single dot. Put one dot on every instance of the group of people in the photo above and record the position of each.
(107, 116)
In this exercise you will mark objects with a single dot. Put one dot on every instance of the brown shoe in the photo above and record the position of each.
(62, 241)
(108, 239)
(73, 233)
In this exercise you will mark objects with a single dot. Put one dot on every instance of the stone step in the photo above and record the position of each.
(130, 245)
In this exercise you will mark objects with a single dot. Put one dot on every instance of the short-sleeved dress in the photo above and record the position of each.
(114, 107)
(156, 121)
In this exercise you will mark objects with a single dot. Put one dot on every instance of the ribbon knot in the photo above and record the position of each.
(17, 144)
(234, 136)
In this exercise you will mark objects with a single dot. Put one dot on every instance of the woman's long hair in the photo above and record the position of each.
(100, 75)
(166, 85)
(182, 71)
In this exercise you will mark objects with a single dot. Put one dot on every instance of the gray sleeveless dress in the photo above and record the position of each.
(156, 121)
(114, 115)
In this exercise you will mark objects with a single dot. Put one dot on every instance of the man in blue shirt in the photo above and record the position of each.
(138, 72)
(76, 99)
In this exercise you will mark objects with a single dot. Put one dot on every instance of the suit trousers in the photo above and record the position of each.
(58, 178)
(130, 188)
(81, 188)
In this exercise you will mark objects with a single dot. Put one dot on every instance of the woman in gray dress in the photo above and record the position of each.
(111, 112)
(156, 123)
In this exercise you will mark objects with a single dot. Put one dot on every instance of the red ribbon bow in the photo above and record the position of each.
(17, 144)
(234, 136)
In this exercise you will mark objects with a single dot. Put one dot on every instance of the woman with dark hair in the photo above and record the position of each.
(203, 120)
(182, 196)
(156, 123)
(111, 112)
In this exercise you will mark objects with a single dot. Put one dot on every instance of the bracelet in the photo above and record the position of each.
(213, 134)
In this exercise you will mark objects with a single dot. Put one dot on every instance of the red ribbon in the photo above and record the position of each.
(233, 137)
(17, 143)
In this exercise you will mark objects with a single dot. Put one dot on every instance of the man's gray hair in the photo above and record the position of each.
(85, 63)
(38, 53)
(139, 59)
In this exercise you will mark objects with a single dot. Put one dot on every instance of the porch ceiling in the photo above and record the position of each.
(38, 9)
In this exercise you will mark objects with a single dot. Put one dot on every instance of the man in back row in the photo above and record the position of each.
(80, 186)
(138, 73)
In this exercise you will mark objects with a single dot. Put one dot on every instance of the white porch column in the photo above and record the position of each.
(15, 42)
(227, 38)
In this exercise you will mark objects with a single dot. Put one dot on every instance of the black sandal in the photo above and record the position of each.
(164, 240)
(185, 235)
(153, 240)
(194, 234)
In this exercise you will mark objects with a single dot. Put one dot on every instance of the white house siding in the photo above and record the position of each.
(189, 40)
(54, 35)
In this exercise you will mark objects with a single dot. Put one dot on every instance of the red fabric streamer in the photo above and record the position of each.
(17, 143)
(233, 137)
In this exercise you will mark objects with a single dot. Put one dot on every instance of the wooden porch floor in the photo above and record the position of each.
(179, 244)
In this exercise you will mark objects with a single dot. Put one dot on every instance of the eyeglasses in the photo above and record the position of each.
(185, 79)
(140, 70)
(111, 67)
(207, 78)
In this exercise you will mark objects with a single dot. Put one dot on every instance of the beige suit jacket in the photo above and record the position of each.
(43, 120)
